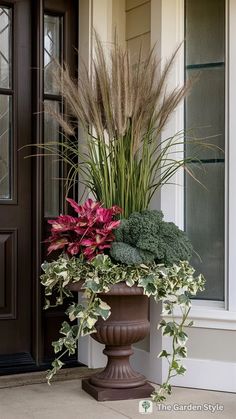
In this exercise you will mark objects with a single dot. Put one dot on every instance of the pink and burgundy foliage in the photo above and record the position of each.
(90, 233)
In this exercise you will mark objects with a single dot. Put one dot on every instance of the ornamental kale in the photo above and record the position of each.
(89, 234)
(144, 237)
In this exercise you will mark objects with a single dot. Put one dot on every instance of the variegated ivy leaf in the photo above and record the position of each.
(175, 365)
(149, 287)
(181, 370)
(75, 311)
(65, 329)
(103, 310)
(181, 351)
(172, 298)
(170, 329)
(181, 338)
(47, 304)
(130, 282)
(164, 354)
(104, 306)
(171, 285)
(58, 345)
(59, 300)
(91, 322)
(142, 265)
(161, 324)
(57, 364)
(63, 274)
(184, 300)
(92, 285)
(75, 330)
(70, 344)
(86, 331)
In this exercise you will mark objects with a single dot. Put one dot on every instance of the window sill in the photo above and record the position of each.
(212, 316)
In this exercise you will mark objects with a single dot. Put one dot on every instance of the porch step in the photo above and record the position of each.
(17, 380)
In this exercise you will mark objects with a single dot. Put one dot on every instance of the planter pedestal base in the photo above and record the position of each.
(103, 394)
(127, 324)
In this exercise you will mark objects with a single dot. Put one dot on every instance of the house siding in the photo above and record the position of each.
(138, 27)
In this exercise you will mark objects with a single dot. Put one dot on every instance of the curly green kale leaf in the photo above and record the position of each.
(145, 237)
(129, 255)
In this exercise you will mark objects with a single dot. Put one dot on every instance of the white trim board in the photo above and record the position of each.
(209, 318)
(207, 374)
(148, 365)
(204, 374)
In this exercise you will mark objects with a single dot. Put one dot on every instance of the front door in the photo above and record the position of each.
(32, 35)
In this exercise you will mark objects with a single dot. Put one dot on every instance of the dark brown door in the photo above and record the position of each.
(15, 184)
(32, 34)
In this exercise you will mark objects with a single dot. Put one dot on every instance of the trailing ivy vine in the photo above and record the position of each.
(173, 286)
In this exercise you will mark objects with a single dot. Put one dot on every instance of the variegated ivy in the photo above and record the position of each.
(172, 285)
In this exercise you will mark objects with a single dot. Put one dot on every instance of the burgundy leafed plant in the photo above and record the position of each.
(90, 233)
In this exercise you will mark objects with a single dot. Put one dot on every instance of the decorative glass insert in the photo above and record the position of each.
(51, 163)
(5, 102)
(5, 47)
(52, 51)
(205, 118)
(53, 169)
(5, 147)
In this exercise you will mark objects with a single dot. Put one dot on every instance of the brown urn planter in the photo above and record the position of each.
(127, 324)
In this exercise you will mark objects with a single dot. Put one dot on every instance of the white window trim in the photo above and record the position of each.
(210, 314)
(232, 158)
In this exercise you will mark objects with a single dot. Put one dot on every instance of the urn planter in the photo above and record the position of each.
(127, 324)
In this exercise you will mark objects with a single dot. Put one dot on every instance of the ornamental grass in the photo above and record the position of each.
(122, 110)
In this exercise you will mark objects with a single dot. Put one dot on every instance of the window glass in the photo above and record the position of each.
(51, 163)
(52, 51)
(5, 147)
(5, 102)
(205, 118)
(5, 47)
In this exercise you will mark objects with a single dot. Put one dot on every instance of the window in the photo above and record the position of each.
(53, 52)
(6, 93)
(205, 118)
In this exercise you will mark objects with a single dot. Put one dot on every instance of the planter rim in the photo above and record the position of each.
(117, 289)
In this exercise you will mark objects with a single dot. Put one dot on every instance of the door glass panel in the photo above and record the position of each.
(5, 146)
(51, 163)
(5, 47)
(52, 51)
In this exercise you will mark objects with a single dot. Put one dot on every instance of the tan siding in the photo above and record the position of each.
(119, 20)
(138, 21)
(134, 44)
(130, 4)
(138, 27)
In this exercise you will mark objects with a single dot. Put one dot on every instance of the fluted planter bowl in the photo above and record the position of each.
(127, 324)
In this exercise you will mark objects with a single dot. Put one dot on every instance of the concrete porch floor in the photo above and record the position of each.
(66, 400)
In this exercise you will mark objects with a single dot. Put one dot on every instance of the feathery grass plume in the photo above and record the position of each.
(123, 108)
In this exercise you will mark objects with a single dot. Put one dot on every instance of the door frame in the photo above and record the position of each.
(38, 230)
